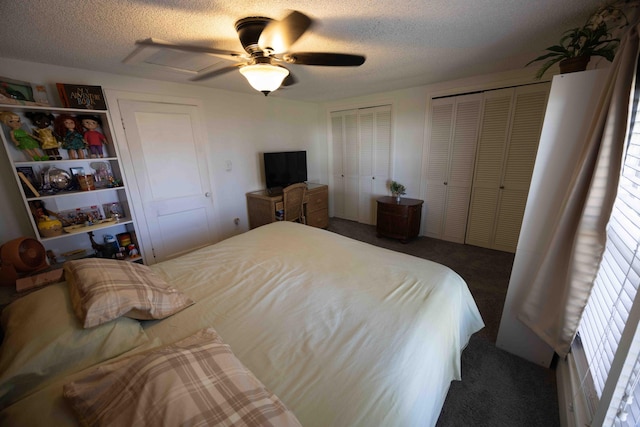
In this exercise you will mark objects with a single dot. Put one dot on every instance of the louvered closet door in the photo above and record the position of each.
(507, 145)
(374, 152)
(488, 169)
(344, 130)
(528, 117)
(449, 165)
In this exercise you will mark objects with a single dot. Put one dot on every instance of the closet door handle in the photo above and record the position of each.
(445, 183)
(502, 187)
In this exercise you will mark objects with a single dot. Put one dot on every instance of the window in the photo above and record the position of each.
(608, 343)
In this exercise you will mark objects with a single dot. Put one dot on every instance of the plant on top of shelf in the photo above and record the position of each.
(397, 189)
(597, 37)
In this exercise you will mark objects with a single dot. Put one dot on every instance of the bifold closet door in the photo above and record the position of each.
(344, 130)
(449, 161)
(361, 160)
(507, 145)
(374, 125)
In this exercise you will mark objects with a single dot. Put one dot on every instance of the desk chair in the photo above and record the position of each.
(293, 198)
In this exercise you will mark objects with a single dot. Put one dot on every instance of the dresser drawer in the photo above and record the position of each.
(393, 210)
(318, 218)
(317, 200)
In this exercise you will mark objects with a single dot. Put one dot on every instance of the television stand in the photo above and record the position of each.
(263, 204)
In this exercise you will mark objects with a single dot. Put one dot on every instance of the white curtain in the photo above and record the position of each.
(559, 291)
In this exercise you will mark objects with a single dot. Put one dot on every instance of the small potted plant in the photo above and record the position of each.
(595, 38)
(397, 190)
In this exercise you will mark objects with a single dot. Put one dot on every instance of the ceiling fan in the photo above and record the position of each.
(266, 43)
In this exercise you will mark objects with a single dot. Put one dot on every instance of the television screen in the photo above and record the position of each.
(285, 168)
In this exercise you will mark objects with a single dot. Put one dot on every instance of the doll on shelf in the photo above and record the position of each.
(21, 138)
(94, 137)
(66, 127)
(48, 142)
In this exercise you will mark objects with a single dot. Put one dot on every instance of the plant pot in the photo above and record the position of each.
(572, 65)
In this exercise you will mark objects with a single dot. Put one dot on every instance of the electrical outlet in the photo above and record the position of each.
(228, 165)
(236, 221)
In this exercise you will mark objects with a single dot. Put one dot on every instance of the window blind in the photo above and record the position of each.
(606, 346)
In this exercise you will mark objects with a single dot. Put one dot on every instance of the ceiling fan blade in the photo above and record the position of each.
(216, 73)
(320, 58)
(187, 48)
(278, 36)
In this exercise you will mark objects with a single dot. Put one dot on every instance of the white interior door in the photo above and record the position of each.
(168, 153)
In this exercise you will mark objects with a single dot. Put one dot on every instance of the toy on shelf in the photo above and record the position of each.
(66, 127)
(94, 137)
(21, 138)
(48, 141)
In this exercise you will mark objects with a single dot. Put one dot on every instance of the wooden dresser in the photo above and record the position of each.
(317, 207)
(399, 220)
(262, 206)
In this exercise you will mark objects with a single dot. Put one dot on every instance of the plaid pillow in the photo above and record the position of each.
(104, 289)
(196, 381)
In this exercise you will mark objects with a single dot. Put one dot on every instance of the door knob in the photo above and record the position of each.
(207, 194)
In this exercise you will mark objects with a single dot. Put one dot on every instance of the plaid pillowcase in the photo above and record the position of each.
(196, 381)
(104, 289)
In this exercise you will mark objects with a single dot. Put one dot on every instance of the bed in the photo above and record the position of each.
(341, 332)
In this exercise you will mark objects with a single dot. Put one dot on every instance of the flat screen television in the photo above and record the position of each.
(285, 168)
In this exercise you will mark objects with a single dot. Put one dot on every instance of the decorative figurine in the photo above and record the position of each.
(48, 142)
(133, 251)
(102, 174)
(97, 247)
(94, 137)
(21, 138)
(66, 127)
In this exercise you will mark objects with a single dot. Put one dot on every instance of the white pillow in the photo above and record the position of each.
(43, 340)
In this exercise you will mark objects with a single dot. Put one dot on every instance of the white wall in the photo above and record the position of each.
(240, 127)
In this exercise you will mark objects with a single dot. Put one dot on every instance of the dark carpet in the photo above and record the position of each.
(497, 388)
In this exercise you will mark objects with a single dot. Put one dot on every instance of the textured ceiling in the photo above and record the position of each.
(407, 42)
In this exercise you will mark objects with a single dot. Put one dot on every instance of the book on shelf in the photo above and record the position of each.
(81, 96)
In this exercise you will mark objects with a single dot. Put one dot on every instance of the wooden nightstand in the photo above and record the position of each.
(399, 220)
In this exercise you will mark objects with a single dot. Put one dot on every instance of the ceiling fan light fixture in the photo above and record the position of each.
(264, 78)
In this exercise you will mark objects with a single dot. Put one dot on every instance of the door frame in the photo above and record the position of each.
(113, 97)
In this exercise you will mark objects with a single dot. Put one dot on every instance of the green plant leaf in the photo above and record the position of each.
(547, 65)
(594, 38)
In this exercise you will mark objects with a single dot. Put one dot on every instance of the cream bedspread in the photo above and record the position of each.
(344, 333)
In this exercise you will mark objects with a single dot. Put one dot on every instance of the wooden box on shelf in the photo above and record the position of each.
(52, 189)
